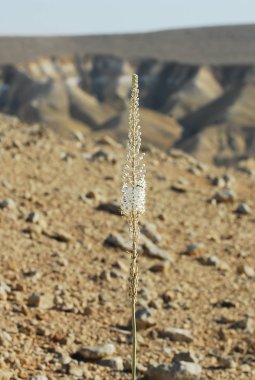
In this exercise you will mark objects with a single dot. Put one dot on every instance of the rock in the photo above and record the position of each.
(176, 371)
(215, 262)
(246, 269)
(150, 231)
(8, 203)
(5, 338)
(111, 207)
(75, 370)
(194, 249)
(97, 352)
(117, 241)
(225, 196)
(226, 362)
(144, 319)
(115, 363)
(210, 261)
(61, 236)
(5, 374)
(187, 356)
(180, 186)
(128, 367)
(243, 209)
(34, 217)
(177, 335)
(38, 377)
(103, 155)
(151, 250)
(217, 181)
(245, 324)
(33, 300)
(160, 267)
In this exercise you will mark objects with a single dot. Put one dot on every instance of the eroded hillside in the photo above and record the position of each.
(206, 110)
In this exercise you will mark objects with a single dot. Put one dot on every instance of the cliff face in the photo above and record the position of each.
(206, 110)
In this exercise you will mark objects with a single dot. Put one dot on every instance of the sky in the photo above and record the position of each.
(71, 17)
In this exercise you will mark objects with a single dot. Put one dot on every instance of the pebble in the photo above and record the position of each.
(226, 362)
(160, 267)
(117, 241)
(243, 209)
(187, 356)
(115, 363)
(33, 300)
(110, 207)
(176, 371)
(38, 377)
(150, 231)
(180, 186)
(144, 319)
(97, 352)
(5, 374)
(246, 270)
(75, 370)
(176, 334)
(194, 249)
(152, 250)
(34, 217)
(225, 196)
(8, 203)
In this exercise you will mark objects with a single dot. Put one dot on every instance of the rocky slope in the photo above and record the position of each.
(64, 263)
(208, 45)
(206, 110)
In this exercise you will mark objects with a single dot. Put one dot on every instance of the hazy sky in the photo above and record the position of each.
(46, 17)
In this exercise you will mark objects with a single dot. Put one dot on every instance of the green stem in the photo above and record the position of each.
(133, 341)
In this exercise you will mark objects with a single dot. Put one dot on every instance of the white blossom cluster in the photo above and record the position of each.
(133, 198)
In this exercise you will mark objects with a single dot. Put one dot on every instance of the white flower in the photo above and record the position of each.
(133, 198)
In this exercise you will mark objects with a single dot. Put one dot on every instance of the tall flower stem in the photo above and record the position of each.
(133, 202)
(133, 290)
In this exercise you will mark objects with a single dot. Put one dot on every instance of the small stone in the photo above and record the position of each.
(97, 352)
(5, 338)
(144, 319)
(110, 207)
(245, 324)
(245, 269)
(243, 209)
(226, 362)
(8, 203)
(33, 300)
(63, 262)
(115, 363)
(194, 249)
(176, 371)
(225, 196)
(150, 231)
(34, 217)
(180, 186)
(117, 241)
(160, 267)
(61, 236)
(5, 374)
(38, 377)
(75, 370)
(177, 335)
(218, 181)
(151, 250)
(187, 356)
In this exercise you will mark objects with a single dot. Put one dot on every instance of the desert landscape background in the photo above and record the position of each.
(64, 307)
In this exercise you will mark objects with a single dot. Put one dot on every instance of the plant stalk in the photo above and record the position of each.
(133, 341)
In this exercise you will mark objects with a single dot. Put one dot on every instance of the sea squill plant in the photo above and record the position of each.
(133, 201)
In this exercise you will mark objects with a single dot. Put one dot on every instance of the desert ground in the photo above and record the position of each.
(65, 262)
